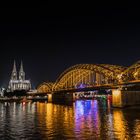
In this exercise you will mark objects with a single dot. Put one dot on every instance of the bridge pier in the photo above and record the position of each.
(50, 97)
(122, 98)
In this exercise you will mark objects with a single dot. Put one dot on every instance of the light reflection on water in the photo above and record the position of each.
(84, 119)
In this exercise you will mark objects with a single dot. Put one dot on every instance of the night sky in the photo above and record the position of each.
(48, 45)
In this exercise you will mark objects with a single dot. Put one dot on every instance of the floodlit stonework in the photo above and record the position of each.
(17, 81)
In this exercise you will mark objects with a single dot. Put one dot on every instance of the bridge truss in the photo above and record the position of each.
(45, 87)
(86, 75)
(89, 75)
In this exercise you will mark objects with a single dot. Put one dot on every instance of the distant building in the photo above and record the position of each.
(17, 81)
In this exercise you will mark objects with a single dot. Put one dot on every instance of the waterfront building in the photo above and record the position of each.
(17, 81)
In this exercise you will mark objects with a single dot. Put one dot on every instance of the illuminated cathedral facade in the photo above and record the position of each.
(17, 81)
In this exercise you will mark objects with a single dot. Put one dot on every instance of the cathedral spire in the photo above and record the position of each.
(21, 72)
(21, 67)
(14, 67)
(14, 72)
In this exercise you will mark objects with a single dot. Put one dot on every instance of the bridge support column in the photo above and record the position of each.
(117, 98)
(49, 98)
(122, 98)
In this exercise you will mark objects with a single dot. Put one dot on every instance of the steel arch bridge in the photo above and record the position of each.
(45, 87)
(132, 73)
(87, 75)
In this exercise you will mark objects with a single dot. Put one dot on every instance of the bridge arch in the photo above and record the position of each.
(45, 87)
(84, 75)
(131, 73)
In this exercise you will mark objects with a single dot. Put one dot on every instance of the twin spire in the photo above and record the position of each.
(21, 72)
(14, 67)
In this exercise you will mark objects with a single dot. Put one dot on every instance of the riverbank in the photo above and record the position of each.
(22, 99)
(7, 99)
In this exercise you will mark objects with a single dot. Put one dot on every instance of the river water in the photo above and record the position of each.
(84, 119)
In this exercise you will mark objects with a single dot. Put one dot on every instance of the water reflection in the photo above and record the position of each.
(87, 121)
(84, 119)
(14, 119)
(119, 124)
(57, 120)
(137, 129)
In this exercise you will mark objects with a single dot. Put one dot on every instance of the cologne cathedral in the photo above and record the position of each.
(17, 81)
